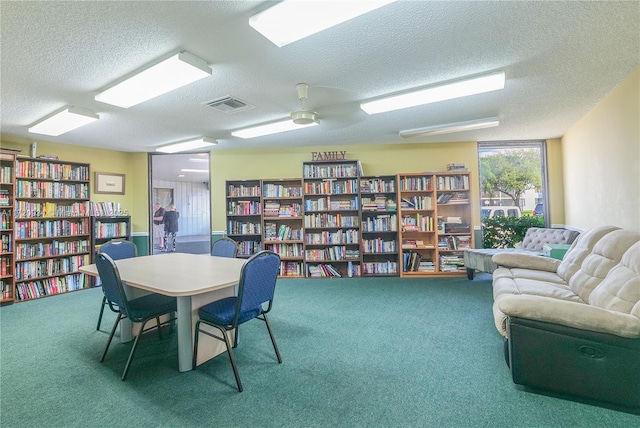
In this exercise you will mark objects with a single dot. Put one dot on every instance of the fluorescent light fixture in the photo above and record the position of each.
(270, 128)
(443, 91)
(172, 73)
(451, 127)
(200, 160)
(193, 170)
(68, 119)
(198, 143)
(292, 20)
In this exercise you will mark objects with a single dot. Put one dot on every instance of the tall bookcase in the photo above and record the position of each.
(244, 215)
(379, 226)
(282, 224)
(7, 202)
(435, 219)
(332, 218)
(52, 227)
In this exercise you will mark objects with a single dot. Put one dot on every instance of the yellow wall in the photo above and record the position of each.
(376, 160)
(556, 182)
(133, 165)
(601, 161)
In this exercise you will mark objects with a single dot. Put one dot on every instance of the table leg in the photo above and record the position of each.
(185, 341)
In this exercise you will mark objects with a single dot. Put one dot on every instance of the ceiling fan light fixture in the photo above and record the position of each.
(304, 117)
(451, 128)
(443, 91)
(270, 128)
(289, 21)
(64, 121)
(192, 144)
(165, 76)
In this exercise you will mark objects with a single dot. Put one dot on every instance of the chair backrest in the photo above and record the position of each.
(111, 283)
(119, 249)
(258, 281)
(581, 248)
(536, 237)
(225, 247)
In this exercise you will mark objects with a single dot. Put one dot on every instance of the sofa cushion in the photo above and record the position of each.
(620, 290)
(536, 237)
(606, 254)
(580, 249)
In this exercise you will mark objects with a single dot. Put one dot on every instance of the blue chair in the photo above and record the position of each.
(142, 310)
(256, 288)
(116, 249)
(225, 247)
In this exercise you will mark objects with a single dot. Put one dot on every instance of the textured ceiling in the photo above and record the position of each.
(560, 59)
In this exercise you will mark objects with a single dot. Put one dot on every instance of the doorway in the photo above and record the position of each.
(181, 181)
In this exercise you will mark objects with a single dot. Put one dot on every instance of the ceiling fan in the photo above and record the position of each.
(304, 116)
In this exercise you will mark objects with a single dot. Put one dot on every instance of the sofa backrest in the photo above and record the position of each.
(606, 254)
(620, 289)
(580, 249)
(536, 237)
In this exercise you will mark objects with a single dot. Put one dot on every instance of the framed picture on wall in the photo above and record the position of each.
(106, 182)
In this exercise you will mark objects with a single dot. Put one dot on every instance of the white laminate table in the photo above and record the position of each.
(194, 279)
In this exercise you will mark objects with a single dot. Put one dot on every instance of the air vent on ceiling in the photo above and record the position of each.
(229, 105)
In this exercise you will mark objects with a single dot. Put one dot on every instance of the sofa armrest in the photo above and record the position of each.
(571, 314)
(526, 261)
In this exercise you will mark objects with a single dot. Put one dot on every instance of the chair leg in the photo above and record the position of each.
(195, 345)
(273, 339)
(104, 302)
(133, 350)
(232, 359)
(158, 327)
(113, 331)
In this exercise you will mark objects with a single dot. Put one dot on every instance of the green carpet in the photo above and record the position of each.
(356, 352)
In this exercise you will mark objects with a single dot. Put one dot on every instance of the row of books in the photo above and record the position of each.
(111, 230)
(331, 220)
(452, 182)
(7, 220)
(107, 209)
(50, 228)
(348, 236)
(417, 223)
(276, 209)
(415, 184)
(244, 208)
(328, 270)
(54, 171)
(328, 204)
(6, 174)
(280, 191)
(50, 286)
(5, 265)
(417, 203)
(453, 198)
(380, 223)
(30, 250)
(461, 242)
(452, 262)
(328, 187)
(282, 233)
(235, 190)
(379, 203)
(6, 289)
(332, 253)
(25, 209)
(331, 171)
(375, 185)
(47, 189)
(246, 248)
(413, 261)
(50, 267)
(380, 268)
(7, 243)
(286, 250)
(235, 227)
(289, 268)
(4, 198)
(417, 243)
(378, 245)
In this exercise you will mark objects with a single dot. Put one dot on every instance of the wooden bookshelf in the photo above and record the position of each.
(52, 227)
(379, 226)
(282, 224)
(244, 215)
(332, 218)
(7, 203)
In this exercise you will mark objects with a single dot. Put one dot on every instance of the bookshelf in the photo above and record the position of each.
(282, 224)
(331, 198)
(106, 228)
(244, 215)
(379, 226)
(435, 223)
(52, 227)
(7, 202)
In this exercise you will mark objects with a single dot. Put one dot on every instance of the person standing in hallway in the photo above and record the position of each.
(158, 226)
(170, 221)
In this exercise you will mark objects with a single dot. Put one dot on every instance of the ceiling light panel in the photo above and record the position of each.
(270, 128)
(451, 128)
(64, 121)
(289, 21)
(183, 146)
(172, 73)
(444, 91)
